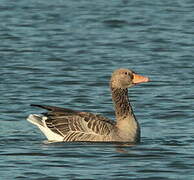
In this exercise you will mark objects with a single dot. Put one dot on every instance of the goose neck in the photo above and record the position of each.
(121, 103)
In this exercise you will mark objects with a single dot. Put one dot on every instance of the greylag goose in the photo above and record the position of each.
(61, 124)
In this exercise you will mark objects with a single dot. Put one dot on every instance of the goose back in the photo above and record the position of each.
(78, 126)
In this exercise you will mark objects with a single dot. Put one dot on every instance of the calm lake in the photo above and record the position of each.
(63, 52)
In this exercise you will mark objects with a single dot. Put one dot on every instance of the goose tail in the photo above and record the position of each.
(39, 120)
(36, 119)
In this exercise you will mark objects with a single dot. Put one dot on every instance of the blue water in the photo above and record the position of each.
(62, 53)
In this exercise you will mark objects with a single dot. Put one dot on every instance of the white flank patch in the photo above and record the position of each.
(39, 121)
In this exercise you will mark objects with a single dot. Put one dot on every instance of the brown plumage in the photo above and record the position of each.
(61, 124)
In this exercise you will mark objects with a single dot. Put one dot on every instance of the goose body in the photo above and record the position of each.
(61, 124)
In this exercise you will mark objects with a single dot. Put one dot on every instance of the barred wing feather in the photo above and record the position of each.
(78, 126)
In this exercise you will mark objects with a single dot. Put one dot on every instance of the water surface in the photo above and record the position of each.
(62, 53)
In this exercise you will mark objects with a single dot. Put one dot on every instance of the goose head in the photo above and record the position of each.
(125, 78)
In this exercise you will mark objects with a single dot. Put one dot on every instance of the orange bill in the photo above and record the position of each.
(139, 79)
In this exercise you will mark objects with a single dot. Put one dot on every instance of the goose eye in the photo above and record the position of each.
(126, 73)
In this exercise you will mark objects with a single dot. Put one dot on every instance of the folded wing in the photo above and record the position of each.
(77, 126)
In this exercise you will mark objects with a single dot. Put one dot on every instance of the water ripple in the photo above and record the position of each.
(63, 52)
